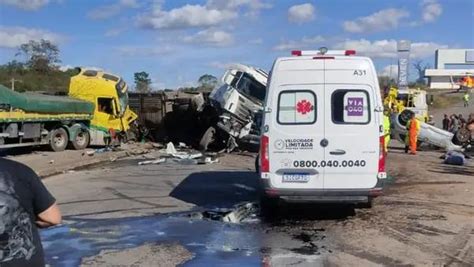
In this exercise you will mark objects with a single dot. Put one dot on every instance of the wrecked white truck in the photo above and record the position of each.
(234, 108)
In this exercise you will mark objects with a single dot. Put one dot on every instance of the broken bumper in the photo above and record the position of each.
(321, 195)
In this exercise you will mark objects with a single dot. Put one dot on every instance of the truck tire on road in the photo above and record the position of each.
(81, 140)
(207, 138)
(58, 140)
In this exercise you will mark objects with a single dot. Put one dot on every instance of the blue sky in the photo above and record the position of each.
(177, 41)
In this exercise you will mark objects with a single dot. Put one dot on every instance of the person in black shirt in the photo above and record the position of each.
(25, 205)
(446, 122)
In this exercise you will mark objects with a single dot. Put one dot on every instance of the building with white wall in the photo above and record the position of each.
(450, 66)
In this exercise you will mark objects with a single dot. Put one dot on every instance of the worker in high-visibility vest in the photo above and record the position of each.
(386, 129)
(413, 128)
(466, 99)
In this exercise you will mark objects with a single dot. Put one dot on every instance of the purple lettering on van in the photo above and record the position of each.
(355, 106)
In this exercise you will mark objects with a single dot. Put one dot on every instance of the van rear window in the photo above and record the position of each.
(350, 107)
(297, 107)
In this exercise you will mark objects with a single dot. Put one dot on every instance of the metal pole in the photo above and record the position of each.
(13, 80)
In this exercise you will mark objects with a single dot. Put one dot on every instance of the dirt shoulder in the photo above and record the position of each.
(426, 217)
(48, 163)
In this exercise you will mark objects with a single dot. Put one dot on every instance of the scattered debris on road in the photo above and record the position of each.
(244, 212)
(156, 161)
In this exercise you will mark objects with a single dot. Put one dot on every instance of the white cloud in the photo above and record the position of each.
(301, 13)
(253, 6)
(304, 43)
(144, 51)
(12, 37)
(221, 65)
(388, 48)
(185, 17)
(28, 5)
(211, 38)
(107, 11)
(390, 71)
(431, 10)
(382, 20)
(211, 14)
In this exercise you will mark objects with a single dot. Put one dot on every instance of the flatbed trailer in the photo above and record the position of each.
(20, 129)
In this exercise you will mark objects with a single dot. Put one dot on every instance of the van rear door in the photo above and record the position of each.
(297, 126)
(351, 126)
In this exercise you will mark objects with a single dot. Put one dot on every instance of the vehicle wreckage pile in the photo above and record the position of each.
(224, 120)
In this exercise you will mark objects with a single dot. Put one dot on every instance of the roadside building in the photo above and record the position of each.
(451, 65)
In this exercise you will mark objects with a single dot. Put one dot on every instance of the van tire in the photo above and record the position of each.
(366, 205)
(268, 207)
(58, 139)
(81, 140)
(207, 138)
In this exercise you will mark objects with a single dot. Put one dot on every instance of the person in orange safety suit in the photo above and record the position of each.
(413, 128)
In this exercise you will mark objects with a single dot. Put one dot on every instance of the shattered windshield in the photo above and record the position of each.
(249, 87)
(122, 95)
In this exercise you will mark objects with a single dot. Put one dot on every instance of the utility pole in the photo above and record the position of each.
(13, 80)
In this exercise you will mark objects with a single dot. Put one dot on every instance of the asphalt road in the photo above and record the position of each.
(170, 214)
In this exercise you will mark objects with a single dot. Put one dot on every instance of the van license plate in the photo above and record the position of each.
(295, 178)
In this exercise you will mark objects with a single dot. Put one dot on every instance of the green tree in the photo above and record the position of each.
(207, 82)
(142, 82)
(41, 56)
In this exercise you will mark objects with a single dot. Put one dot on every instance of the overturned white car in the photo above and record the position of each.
(236, 106)
(429, 133)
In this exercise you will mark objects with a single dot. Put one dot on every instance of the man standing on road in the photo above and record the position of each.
(446, 122)
(25, 205)
(455, 124)
(466, 99)
(413, 128)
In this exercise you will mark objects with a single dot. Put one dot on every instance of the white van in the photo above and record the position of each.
(322, 134)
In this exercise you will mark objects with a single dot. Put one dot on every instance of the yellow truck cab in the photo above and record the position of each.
(109, 93)
(96, 112)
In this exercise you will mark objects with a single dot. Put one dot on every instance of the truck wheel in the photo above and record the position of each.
(58, 140)
(81, 140)
(207, 139)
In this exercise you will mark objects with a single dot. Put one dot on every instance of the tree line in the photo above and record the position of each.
(36, 68)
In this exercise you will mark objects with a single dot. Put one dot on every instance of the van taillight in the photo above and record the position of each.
(297, 53)
(350, 52)
(382, 154)
(264, 154)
